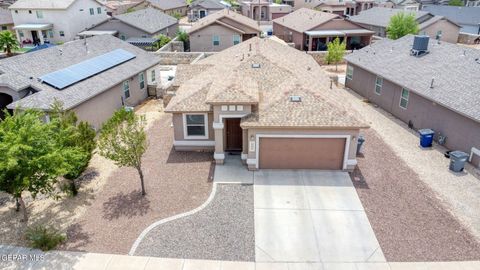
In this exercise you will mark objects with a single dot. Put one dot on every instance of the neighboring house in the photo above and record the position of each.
(37, 79)
(221, 30)
(407, 5)
(423, 90)
(6, 20)
(264, 10)
(170, 7)
(298, 4)
(143, 23)
(267, 102)
(378, 18)
(122, 6)
(348, 8)
(54, 21)
(312, 30)
(472, 3)
(467, 17)
(201, 8)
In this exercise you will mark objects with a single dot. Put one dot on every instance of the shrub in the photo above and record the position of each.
(162, 41)
(177, 15)
(44, 238)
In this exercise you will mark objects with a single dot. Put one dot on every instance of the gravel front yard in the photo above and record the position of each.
(176, 182)
(224, 230)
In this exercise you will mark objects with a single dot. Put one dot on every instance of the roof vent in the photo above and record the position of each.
(255, 65)
(295, 98)
(420, 46)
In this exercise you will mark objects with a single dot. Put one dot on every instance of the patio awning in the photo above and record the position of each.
(142, 42)
(33, 26)
(358, 32)
(97, 33)
(339, 33)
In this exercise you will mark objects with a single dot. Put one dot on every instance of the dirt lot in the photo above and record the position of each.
(109, 213)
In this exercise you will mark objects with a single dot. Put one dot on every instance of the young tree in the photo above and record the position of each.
(123, 140)
(335, 52)
(162, 41)
(8, 42)
(458, 3)
(183, 37)
(402, 24)
(31, 159)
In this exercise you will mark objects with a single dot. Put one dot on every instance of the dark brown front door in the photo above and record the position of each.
(234, 134)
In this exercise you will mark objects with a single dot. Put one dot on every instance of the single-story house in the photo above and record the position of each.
(419, 88)
(170, 7)
(267, 102)
(312, 30)
(264, 10)
(108, 74)
(143, 23)
(467, 17)
(6, 19)
(378, 18)
(221, 30)
(201, 8)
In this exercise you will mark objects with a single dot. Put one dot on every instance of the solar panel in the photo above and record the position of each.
(88, 68)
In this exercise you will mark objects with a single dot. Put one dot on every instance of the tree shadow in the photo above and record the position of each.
(188, 156)
(87, 176)
(126, 205)
(77, 238)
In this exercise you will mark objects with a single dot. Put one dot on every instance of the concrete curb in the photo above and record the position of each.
(165, 220)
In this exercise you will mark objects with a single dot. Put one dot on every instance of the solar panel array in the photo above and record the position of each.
(88, 68)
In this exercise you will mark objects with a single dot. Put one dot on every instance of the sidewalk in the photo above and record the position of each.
(24, 258)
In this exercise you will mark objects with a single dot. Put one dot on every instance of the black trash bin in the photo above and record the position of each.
(457, 160)
(360, 142)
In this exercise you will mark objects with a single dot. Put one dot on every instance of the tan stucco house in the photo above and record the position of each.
(221, 30)
(170, 7)
(267, 102)
(312, 30)
(92, 77)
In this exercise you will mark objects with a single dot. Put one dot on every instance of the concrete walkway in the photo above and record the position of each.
(311, 216)
(232, 172)
(64, 260)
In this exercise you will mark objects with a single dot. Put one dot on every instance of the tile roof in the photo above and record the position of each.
(283, 72)
(168, 4)
(42, 4)
(22, 71)
(150, 20)
(455, 84)
(379, 16)
(305, 19)
(220, 15)
(5, 16)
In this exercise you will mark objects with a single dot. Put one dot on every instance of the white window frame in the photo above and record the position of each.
(141, 80)
(152, 73)
(92, 11)
(39, 14)
(127, 89)
(99, 10)
(185, 133)
(402, 98)
(378, 85)
(240, 108)
(61, 33)
(214, 39)
(239, 39)
(349, 70)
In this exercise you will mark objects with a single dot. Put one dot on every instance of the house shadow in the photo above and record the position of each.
(126, 205)
(188, 156)
(359, 181)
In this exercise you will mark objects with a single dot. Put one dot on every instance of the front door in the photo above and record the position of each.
(233, 134)
(35, 38)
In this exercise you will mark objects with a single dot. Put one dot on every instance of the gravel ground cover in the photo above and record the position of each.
(175, 182)
(224, 230)
(407, 217)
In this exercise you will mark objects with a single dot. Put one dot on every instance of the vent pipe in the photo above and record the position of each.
(431, 83)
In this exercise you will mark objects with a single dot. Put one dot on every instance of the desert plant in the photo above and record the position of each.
(8, 42)
(43, 237)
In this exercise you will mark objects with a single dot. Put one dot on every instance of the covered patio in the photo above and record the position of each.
(355, 38)
(34, 33)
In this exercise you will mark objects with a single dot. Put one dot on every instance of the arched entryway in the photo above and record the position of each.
(5, 99)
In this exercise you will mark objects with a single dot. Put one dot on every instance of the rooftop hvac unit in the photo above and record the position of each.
(420, 45)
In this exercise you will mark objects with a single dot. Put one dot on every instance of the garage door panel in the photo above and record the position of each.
(302, 153)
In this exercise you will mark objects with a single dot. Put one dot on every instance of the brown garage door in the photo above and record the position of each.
(301, 153)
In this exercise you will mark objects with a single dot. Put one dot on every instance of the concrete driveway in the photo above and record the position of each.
(311, 216)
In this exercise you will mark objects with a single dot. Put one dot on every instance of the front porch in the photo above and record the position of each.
(34, 34)
(355, 39)
(230, 138)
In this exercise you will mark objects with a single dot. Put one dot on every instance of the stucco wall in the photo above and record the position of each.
(449, 30)
(127, 31)
(177, 120)
(101, 107)
(202, 40)
(462, 132)
(282, 32)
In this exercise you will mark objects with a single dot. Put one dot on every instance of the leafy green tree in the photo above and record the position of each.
(124, 141)
(458, 3)
(402, 24)
(8, 42)
(162, 41)
(31, 159)
(78, 138)
(278, 1)
(335, 52)
(177, 15)
(183, 36)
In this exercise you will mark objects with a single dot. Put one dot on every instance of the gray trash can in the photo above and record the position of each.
(457, 160)
(360, 142)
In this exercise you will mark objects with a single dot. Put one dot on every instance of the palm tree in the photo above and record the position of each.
(8, 42)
